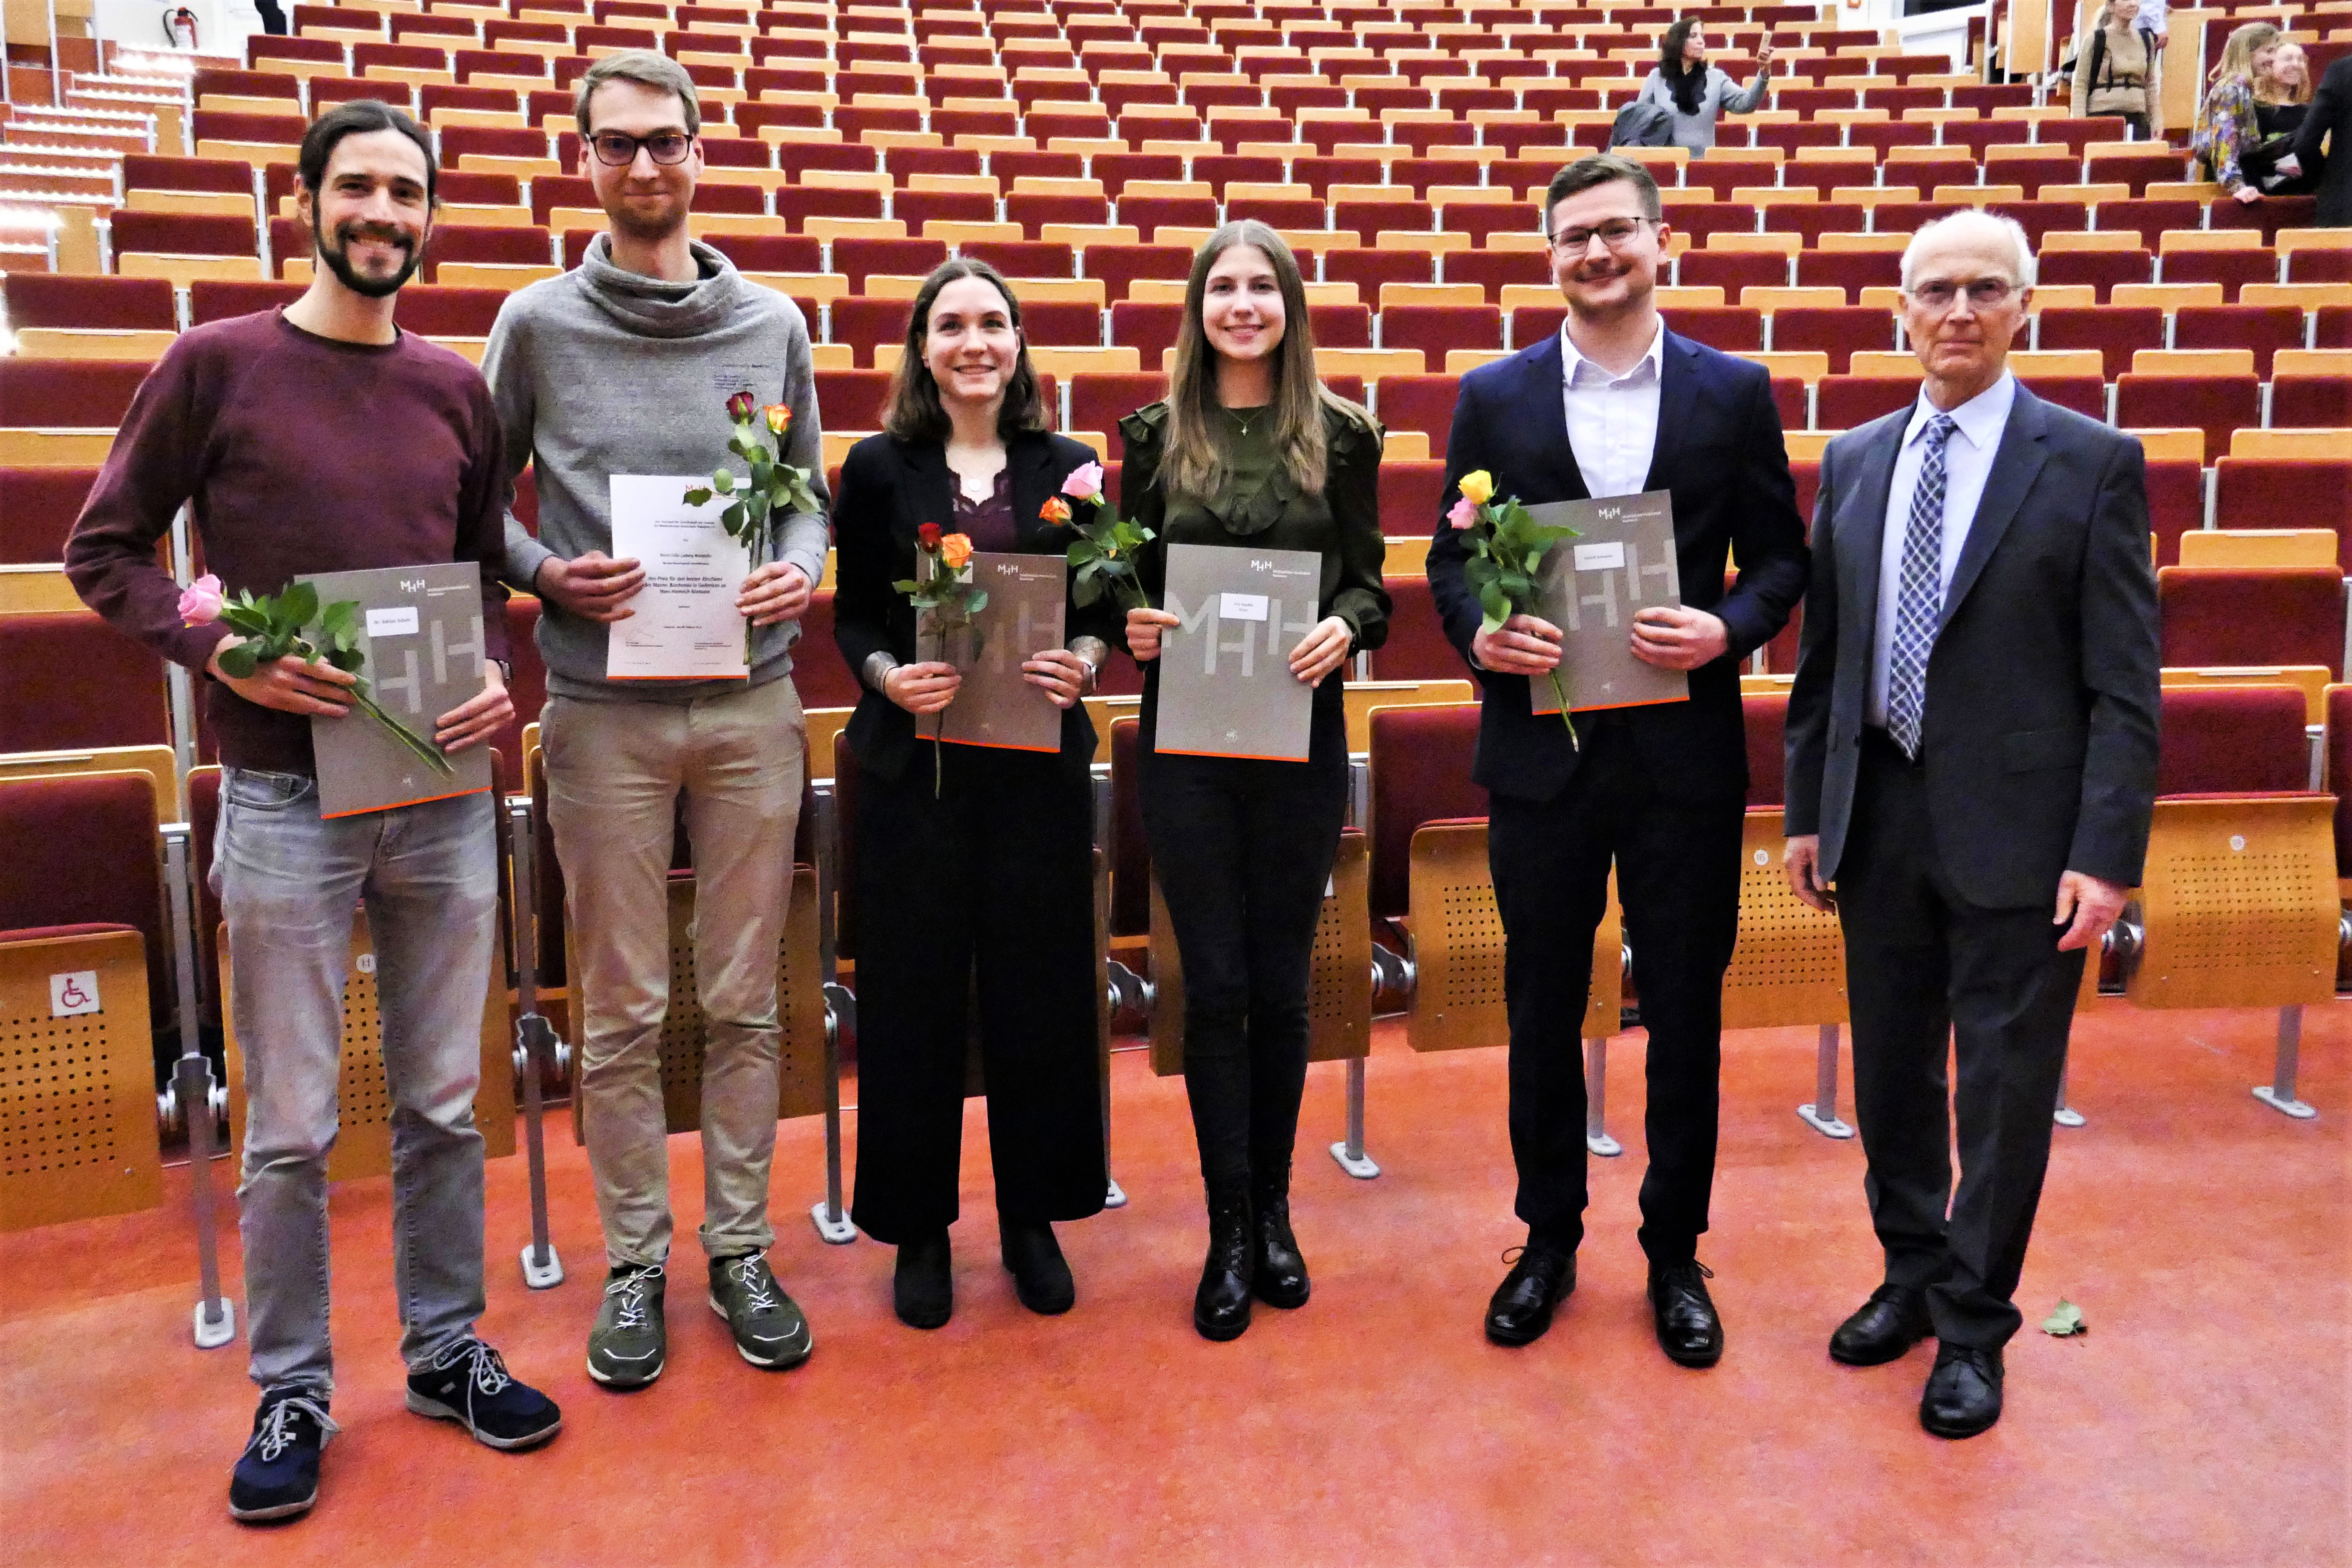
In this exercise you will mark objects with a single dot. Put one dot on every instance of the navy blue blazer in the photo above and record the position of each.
(1719, 451)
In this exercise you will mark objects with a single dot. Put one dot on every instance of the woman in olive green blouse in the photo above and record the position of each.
(1250, 451)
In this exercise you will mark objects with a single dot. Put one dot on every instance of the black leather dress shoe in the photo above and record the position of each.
(1689, 1330)
(922, 1288)
(1521, 1309)
(1963, 1395)
(1884, 1328)
(1041, 1275)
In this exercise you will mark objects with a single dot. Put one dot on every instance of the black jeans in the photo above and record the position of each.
(1677, 862)
(986, 891)
(1931, 977)
(1243, 850)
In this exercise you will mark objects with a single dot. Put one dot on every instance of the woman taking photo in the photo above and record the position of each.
(2116, 70)
(2229, 123)
(1250, 451)
(1695, 95)
(974, 876)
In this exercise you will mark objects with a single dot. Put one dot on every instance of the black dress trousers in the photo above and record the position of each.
(1929, 976)
(1677, 862)
(987, 890)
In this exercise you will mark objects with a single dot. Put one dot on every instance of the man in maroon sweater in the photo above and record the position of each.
(322, 438)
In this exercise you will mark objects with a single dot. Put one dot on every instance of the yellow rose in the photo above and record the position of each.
(779, 417)
(1479, 486)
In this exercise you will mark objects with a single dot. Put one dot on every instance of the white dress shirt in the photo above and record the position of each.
(1968, 462)
(1612, 421)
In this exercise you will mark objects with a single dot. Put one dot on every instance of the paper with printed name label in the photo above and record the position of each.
(995, 704)
(683, 624)
(1622, 561)
(1225, 685)
(422, 636)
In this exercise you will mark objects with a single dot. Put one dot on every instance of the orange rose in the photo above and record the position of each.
(778, 418)
(1055, 511)
(955, 549)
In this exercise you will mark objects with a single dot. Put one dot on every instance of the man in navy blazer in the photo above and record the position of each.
(1973, 754)
(1615, 404)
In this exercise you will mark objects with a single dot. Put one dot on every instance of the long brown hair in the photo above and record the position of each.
(914, 412)
(1195, 461)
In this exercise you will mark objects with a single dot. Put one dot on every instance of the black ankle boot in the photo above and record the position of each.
(1221, 1308)
(922, 1287)
(1280, 1273)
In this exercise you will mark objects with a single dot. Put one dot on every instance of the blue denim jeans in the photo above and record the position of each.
(290, 883)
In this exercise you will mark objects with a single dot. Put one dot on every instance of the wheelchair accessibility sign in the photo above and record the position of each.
(73, 993)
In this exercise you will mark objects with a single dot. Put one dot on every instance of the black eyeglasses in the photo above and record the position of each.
(1614, 233)
(618, 150)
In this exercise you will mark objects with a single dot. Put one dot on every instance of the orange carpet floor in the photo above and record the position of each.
(2201, 1421)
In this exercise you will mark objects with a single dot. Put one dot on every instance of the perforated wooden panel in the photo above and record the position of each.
(1790, 965)
(364, 1094)
(77, 1092)
(1457, 998)
(2240, 904)
(1340, 989)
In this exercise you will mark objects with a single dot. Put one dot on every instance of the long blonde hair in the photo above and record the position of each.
(2237, 50)
(1195, 463)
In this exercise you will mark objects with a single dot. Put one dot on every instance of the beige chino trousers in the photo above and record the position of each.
(615, 771)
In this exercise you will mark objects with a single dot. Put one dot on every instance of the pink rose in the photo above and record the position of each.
(1463, 514)
(201, 600)
(1085, 482)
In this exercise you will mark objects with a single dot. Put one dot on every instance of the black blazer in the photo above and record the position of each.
(2331, 111)
(1719, 451)
(2041, 730)
(888, 489)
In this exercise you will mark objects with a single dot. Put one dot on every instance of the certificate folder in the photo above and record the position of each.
(682, 623)
(1622, 561)
(995, 705)
(420, 633)
(1225, 685)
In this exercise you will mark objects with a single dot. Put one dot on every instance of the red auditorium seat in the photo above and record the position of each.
(38, 509)
(1700, 219)
(1435, 329)
(2311, 492)
(1843, 401)
(1131, 851)
(2306, 403)
(1813, 220)
(769, 252)
(1767, 718)
(864, 324)
(2233, 740)
(2264, 328)
(2087, 395)
(124, 304)
(2334, 330)
(2032, 172)
(798, 204)
(2101, 269)
(66, 393)
(218, 298)
(1420, 402)
(1116, 169)
(2135, 169)
(69, 682)
(1837, 331)
(1150, 214)
(1149, 327)
(1852, 270)
(2252, 615)
(1731, 270)
(1066, 322)
(1482, 221)
(1409, 492)
(852, 400)
(2148, 219)
(1219, 170)
(915, 208)
(527, 686)
(1120, 265)
(1033, 212)
(1024, 258)
(438, 311)
(1099, 400)
(860, 258)
(1734, 329)
(2176, 503)
(2216, 404)
(1493, 269)
(1416, 649)
(2270, 214)
(2339, 773)
(818, 670)
(2039, 218)
(2319, 263)
(2233, 269)
(83, 850)
(2117, 331)
(1420, 768)
(483, 243)
(1367, 218)
(1368, 269)
(1341, 325)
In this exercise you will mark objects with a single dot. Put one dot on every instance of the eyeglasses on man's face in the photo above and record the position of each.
(1614, 233)
(1984, 293)
(618, 150)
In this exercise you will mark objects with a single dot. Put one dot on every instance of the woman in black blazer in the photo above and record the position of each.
(1249, 450)
(973, 883)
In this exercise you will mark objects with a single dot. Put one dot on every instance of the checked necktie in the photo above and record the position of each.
(1920, 602)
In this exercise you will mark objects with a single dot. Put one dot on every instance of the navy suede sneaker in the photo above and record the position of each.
(468, 1384)
(276, 1476)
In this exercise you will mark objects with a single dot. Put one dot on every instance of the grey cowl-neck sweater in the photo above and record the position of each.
(602, 371)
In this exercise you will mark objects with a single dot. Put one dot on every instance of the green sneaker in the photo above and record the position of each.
(627, 1345)
(770, 1330)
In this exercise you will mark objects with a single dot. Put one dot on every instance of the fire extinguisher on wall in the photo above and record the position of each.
(180, 27)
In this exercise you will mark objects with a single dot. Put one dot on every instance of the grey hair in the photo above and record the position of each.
(2021, 270)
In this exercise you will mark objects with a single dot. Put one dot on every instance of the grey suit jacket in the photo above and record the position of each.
(2040, 737)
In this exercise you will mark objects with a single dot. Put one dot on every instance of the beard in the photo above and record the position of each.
(339, 261)
(645, 229)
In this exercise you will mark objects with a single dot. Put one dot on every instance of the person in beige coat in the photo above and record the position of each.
(2119, 69)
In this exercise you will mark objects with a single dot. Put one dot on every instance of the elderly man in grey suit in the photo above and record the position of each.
(1972, 747)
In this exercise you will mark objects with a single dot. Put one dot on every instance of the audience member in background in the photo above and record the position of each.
(2330, 118)
(322, 438)
(1972, 749)
(1695, 93)
(974, 865)
(1616, 405)
(2282, 103)
(2117, 72)
(1250, 451)
(2228, 125)
(625, 365)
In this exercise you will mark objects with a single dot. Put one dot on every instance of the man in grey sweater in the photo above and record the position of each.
(625, 366)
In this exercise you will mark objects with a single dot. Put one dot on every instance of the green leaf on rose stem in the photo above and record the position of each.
(346, 659)
(1496, 604)
(2066, 1321)
(976, 602)
(239, 660)
(732, 519)
(762, 472)
(1083, 551)
(299, 605)
(246, 619)
(723, 481)
(905, 585)
(698, 497)
(1087, 590)
(343, 616)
